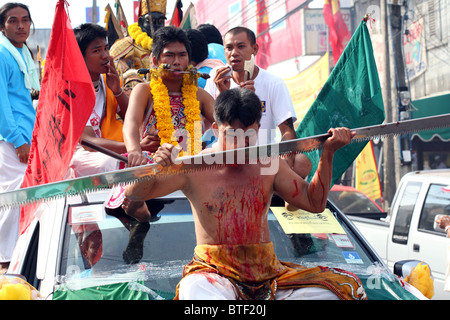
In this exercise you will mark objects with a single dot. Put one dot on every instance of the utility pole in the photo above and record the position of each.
(403, 96)
(94, 11)
(389, 182)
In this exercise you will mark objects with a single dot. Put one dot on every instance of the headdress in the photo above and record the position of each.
(147, 6)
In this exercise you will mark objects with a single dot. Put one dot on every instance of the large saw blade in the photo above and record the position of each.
(208, 161)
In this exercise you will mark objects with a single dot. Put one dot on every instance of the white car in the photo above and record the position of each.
(77, 250)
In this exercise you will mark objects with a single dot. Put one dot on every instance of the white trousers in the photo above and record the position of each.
(11, 177)
(211, 286)
(86, 163)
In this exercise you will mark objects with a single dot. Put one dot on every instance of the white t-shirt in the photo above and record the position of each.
(97, 114)
(276, 102)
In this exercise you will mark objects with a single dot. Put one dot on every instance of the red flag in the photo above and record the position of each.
(264, 40)
(338, 31)
(65, 103)
(177, 14)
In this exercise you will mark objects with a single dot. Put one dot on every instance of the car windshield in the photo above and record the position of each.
(109, 254)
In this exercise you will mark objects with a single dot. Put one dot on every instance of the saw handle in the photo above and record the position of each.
(108, 152)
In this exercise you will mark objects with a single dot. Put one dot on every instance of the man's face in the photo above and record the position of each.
(17, 26)
(236, 134)
(238, 49)
(97, 57)
(176, 55)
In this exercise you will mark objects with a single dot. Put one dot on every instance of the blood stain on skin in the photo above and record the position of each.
(240, 213)
(296, 192)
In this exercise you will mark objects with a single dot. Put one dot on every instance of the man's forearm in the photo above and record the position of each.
(139, 191)
(287, 130)
(321, 181)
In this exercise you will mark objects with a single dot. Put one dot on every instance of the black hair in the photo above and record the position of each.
(211, 33)
(250, 34)
(88, 32)
(237, 104)
(11, 5)
(199, 45)
(165, 35)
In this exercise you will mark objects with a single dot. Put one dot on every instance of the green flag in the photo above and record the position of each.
(189, 19)
(351, 97)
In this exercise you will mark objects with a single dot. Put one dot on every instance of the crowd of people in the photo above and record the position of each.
(147, 118)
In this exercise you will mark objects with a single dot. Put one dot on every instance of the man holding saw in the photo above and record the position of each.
(234, 257)
(277, 109)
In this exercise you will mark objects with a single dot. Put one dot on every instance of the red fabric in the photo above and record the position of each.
(177, 13)
(65, 102)
(338, 31)
(262, 24)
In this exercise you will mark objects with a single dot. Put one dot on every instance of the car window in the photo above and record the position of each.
(352, 202)
(405, 211)
(437, 202)
(107, 254)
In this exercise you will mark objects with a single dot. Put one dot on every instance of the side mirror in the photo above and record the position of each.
(403, 268)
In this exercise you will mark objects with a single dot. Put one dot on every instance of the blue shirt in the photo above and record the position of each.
(215, 51)
(17, 114)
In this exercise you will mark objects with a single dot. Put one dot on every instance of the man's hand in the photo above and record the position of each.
(443, 221)
(249, 84)
(340, 137)
(222, 78)
(136, 158)
(23, 152)
(166, 154)
(113, 78)
(150, 143)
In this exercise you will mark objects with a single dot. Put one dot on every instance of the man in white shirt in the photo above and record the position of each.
(277, 108)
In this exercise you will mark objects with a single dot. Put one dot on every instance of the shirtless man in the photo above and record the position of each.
(234, 257)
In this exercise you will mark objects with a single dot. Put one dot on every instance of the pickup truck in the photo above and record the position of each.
(76, 249)
(409, 230)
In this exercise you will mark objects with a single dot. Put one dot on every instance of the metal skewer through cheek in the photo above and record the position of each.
(166, 67)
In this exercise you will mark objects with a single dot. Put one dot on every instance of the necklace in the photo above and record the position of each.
(161, 105)
(96, 84)
(141, 38)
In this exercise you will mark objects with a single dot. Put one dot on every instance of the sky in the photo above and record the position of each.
(43, 11)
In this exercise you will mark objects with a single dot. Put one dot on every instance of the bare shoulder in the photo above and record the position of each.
(140, 97)
(203, 95)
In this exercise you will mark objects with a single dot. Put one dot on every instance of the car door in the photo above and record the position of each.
(400, 233)
(426, 243)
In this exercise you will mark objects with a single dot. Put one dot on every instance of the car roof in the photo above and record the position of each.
(437, 175)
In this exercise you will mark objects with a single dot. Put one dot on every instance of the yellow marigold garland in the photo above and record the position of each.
(161, 105)
(140, 37)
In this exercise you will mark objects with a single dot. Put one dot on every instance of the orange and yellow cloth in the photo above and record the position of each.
(256, 272)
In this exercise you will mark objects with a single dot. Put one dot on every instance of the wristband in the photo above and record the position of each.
(121, 92)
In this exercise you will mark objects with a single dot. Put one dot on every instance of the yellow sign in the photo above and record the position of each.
(366, 175)
(301, 221)
(304, 87)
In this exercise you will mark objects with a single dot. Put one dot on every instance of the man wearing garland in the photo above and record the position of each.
(169, 109)
(134, 51)
(171, 103)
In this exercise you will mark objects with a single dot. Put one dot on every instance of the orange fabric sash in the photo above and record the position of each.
(111, 127)
(256, 272)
